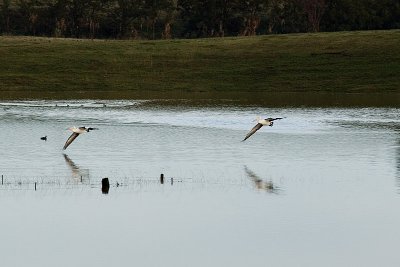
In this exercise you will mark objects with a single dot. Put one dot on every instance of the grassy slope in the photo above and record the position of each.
(325, 62)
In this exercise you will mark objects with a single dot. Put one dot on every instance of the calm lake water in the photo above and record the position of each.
(320, 188)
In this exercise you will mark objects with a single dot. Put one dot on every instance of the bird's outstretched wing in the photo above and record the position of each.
(70, 140)
(255, 129)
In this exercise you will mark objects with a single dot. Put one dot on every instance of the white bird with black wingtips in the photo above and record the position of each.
(75, 133)
(261, 123)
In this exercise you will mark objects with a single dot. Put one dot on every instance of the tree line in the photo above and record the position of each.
(165, 19)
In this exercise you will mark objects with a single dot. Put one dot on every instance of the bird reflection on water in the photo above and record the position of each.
(259, 183)
(78, 174)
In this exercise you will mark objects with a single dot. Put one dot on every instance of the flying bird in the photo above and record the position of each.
(44, 138)
(261, 123)
(75, 133)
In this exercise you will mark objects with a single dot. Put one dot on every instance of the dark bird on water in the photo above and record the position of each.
(75, 133)
(44, 138)
(261, 123)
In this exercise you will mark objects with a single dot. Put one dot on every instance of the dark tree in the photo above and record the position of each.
(156, 19)
(5, 15)
(251, 12)
(314, 10)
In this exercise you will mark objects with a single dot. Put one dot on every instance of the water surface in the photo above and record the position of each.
(320, 188)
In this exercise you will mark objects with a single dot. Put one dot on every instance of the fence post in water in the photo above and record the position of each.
(35, 186)
(2, 179)
(105, 185)
(172, 181)
(162, 178)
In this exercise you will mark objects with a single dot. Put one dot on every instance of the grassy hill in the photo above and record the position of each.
(342, 62)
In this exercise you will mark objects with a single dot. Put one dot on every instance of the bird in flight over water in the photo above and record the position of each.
(75, 133)
(261, 123)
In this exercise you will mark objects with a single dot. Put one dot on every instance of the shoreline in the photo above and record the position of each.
(262, 99)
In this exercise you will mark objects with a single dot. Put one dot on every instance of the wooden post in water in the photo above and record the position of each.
(2, 179)
(81, 178)
(35, 186)
(105, 185)
(172, 181)
(162, 178)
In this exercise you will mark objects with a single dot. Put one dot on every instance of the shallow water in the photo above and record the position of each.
(320, 188)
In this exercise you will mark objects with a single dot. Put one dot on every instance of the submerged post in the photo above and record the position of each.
(2, 179)
(35, 186)
(172, 181)
(105, 185)
(162, 178)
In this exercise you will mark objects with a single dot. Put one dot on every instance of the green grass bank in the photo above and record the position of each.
(340, 63)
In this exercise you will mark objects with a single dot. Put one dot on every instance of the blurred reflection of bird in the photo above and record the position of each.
(259, 183)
